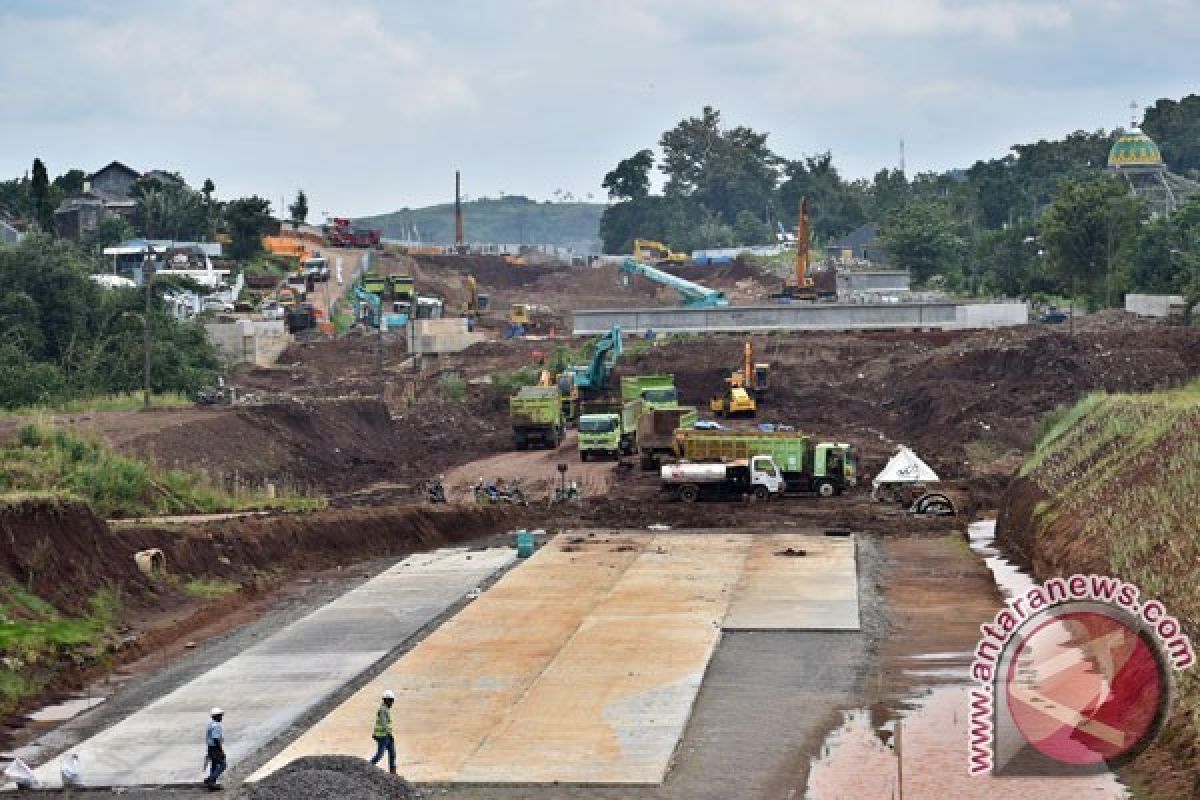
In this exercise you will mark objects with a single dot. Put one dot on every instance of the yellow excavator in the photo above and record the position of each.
(803, 288)
(649, 251)
(744, 386)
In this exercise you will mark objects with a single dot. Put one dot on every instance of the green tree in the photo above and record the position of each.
(248, 219)
(725, 170)
(70, 182)
(1084, 231)
(750, 230)
(299, 209)
(835, 207)
(39, 187)
(110, 230)
(62, 334)
(630, 179)
(921, 236)
(1175, 127)
(169, 210)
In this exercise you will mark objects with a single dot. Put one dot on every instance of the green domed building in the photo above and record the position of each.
(1134, 150)
(1135, 157)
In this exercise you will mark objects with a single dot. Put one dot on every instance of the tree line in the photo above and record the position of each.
(63, 336)
(1043, 219)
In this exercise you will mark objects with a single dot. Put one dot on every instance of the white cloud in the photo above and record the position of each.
(371, 104)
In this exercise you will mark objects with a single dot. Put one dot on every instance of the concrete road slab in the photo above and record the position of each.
(782, 590)
(276, 682)
(579, 666)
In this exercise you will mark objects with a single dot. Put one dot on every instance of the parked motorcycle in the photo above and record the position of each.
(567, 494)
(434, 491)
(499, 492)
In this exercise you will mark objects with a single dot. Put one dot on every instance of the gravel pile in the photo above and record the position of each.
(330, 778)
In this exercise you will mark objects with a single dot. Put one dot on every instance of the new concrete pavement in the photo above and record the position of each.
(273, 684)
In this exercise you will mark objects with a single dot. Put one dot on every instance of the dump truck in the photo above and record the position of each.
(758, 476)
(656, 433)
(536, 414)
(826, 469)
(608, 428)
(655, 391)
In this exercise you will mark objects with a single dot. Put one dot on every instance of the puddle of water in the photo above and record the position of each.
(61, 712)
(1011, 579)
(859, 759)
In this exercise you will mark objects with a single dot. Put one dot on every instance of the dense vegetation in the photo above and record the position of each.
(62, 336)
(46, 459)
(1043, 219)
(1121, 496)
(512, 219)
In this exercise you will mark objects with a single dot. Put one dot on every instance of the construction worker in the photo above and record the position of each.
(383, 732)
(214, 737)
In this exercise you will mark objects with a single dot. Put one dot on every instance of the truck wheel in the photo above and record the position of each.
(689, 494)
(761, 493)
(583, 455)
(826, 488)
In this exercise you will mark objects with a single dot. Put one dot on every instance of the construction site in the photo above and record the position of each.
(633, 528)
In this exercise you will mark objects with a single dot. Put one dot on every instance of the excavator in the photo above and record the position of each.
(473, 301)
(745, 387)
(803, 288)
(657, 253)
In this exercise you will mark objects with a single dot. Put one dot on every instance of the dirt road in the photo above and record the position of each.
(537, 470)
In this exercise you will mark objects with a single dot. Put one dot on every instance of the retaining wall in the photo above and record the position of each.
(1153, 305)
(249, 341)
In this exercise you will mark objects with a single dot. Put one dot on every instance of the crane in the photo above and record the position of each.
(803, 288)
(693, 294)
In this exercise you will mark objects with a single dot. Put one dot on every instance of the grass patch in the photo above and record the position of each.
(126, 401)
(453, 388)
(44, 459)
(36, 639)
(511, 382)
(209, 588)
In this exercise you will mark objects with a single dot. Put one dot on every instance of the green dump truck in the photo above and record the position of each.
(825, 469)
(655, 391)
(536, 414)
(656, 433)
(608, 429)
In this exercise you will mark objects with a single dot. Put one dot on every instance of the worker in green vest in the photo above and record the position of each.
(384, 741)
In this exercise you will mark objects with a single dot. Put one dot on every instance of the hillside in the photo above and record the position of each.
(512, 219)
(1112, 489)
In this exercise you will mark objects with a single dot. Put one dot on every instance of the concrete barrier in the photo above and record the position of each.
(802, 317)
(248, 341)
(446, 335)
(1154, 305)
(992, 315)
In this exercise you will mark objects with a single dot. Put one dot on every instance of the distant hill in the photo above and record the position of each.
(508, 220)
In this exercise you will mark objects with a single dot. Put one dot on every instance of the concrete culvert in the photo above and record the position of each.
(330, 778)
(152, 563)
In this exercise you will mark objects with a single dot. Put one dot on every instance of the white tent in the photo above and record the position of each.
(905, 467)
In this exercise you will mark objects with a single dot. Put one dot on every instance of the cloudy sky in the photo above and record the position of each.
(370, 106)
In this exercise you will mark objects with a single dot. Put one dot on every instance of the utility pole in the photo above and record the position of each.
(147, 279)
(459, 241)
(379, 350)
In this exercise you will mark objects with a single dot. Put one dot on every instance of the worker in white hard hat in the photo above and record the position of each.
(214, 737)
(384, 742)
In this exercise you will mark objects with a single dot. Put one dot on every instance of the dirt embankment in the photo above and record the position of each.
(63, 554)
(969, 402)
(1111, 490)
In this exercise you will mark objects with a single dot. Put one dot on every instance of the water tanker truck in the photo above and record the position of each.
(826, 469)
(758, 476)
